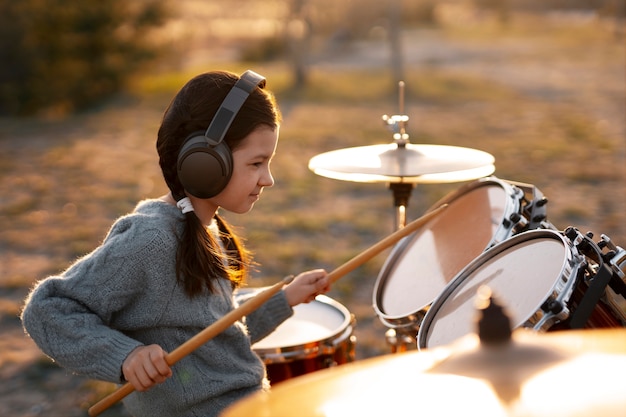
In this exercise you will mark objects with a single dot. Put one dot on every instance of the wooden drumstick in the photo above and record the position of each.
(383, 244)
(255, 302)
(195, 342)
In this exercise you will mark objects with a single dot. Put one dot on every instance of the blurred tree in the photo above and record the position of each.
(298, 31)
(63, 55)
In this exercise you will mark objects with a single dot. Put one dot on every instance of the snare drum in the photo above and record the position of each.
(479, 215)
(319, 335)
(539, 276)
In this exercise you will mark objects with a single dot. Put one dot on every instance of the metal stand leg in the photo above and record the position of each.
(401, 194)
(400, 341)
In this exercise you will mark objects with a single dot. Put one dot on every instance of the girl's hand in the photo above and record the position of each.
(306, 286)
(145, 366)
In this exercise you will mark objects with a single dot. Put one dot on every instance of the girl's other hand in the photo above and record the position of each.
(146, 366)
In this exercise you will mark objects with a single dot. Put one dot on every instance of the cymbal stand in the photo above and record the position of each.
(401, 190)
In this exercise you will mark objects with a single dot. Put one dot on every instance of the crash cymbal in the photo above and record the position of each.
(409, 163)
(568, 373)
(496, 372)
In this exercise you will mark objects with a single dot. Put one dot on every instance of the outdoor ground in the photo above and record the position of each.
(547, 100)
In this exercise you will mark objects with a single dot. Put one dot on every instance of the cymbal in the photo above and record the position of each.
(571, 373)
(410, 163)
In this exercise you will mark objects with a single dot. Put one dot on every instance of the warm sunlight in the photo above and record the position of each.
(510, 112)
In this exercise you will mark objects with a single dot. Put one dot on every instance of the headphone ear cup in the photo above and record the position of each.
(204, 170)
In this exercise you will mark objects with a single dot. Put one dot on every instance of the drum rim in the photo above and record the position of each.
(408, 320)
(492, 252)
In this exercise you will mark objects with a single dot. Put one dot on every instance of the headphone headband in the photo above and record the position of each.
(231, 105)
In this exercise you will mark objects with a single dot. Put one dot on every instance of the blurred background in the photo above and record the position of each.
(540, 85)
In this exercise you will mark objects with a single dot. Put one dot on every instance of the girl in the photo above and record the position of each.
(169, 269)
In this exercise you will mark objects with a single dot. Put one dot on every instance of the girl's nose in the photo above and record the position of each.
(267, 180)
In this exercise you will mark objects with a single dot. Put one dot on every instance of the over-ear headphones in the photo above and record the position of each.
(205, 162)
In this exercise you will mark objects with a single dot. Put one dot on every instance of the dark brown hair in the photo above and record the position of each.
(199, 259)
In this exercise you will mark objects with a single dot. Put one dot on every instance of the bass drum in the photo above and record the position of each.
(539, 276)
(319, 335)
(479, 215)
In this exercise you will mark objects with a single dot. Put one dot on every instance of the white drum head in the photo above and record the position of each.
(316, 321)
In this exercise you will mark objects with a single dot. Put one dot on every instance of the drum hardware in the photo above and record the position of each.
(495, 371)
(400, 340)
(397, 123)
(349, 353)
(604, 273)
(597, 278)
(401, 190)
(401, 195)
(616, 256)
(534, 209)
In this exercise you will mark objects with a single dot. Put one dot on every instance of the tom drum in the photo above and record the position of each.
(319, 335)
(540, 276)
(479, 215)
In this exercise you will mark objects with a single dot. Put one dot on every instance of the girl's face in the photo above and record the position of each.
(251, 171)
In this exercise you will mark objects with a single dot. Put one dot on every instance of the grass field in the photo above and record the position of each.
(547, 99)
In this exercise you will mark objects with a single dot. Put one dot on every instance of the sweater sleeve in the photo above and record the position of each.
(70, 317)
(268, 317)
(65, 328)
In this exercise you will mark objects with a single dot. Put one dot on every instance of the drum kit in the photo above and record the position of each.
(493, 238)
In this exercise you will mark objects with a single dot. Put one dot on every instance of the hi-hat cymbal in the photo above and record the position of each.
(568, 373)
(409, 163)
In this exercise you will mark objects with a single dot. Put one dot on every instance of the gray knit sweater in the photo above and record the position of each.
(125, 294)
